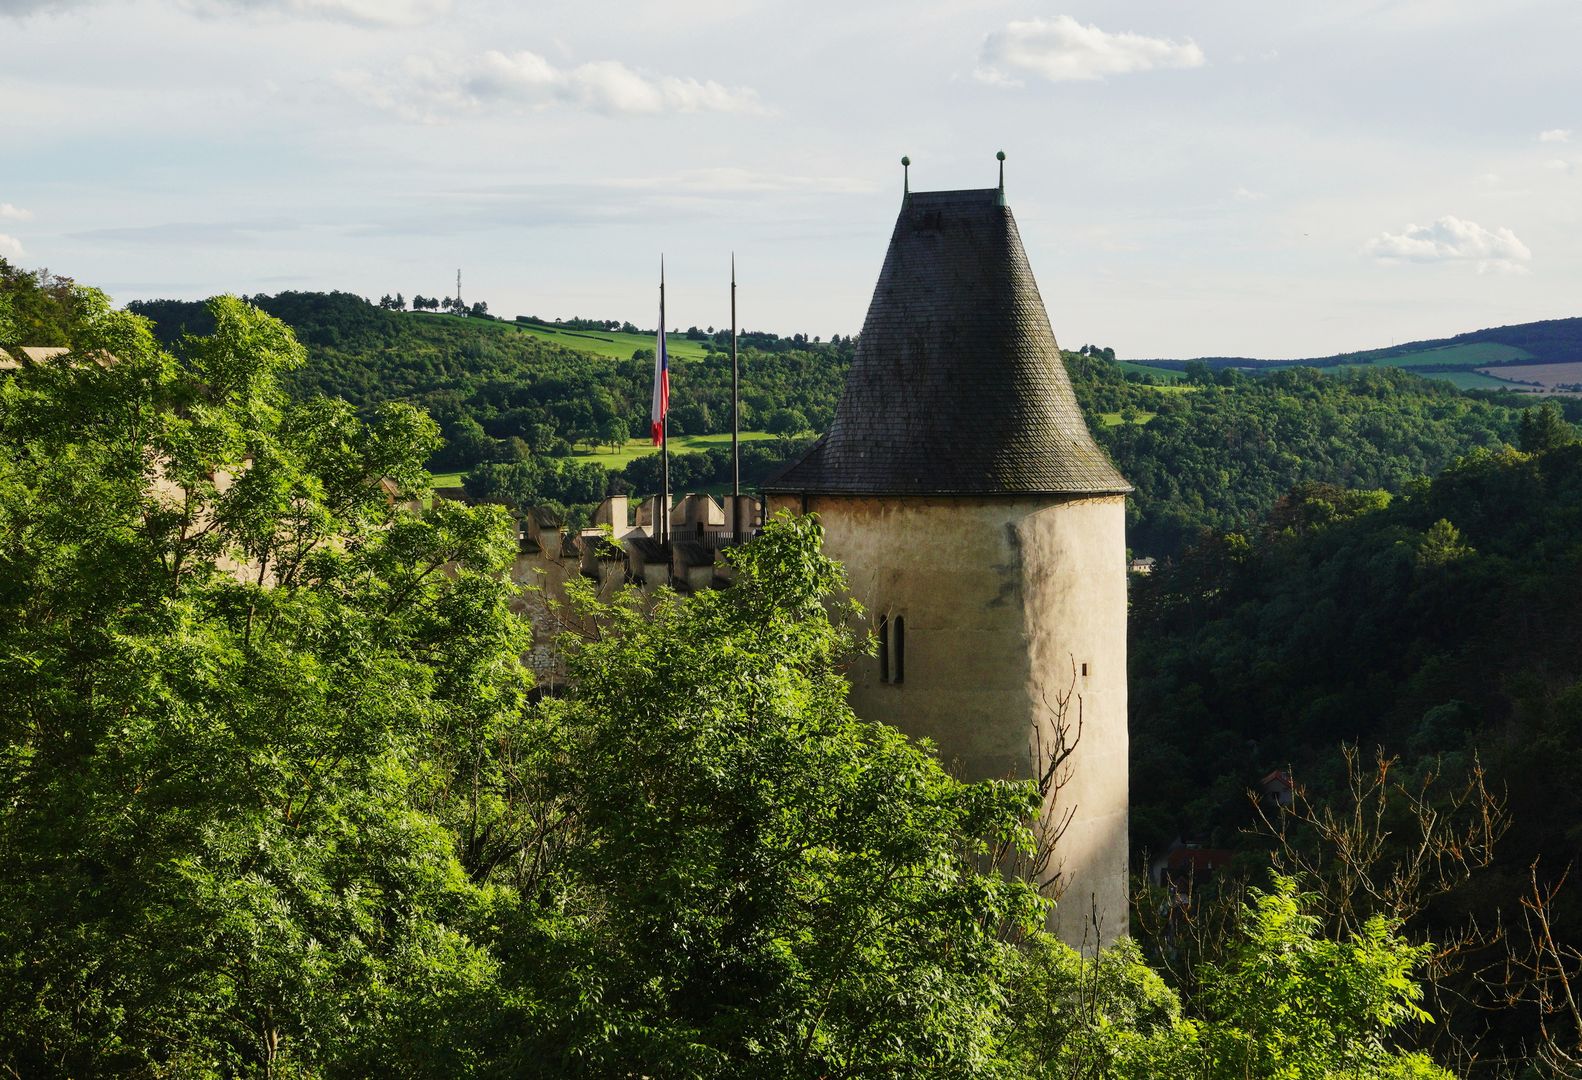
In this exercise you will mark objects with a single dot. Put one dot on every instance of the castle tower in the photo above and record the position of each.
(983, 531)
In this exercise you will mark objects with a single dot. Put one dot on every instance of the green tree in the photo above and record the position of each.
(36, 307)
(1545, 428)
(1442, 544)
(787, 422)
(1288, 1004)
(1292, 1005)
(759, 883)
(518, 484)
(240, 695)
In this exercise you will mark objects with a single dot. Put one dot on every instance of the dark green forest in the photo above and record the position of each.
(1438, 628)
(1440, 620)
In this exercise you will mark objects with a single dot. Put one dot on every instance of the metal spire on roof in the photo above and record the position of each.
(906, 176)
(1000, 157)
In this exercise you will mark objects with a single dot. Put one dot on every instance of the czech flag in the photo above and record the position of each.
(661, 381)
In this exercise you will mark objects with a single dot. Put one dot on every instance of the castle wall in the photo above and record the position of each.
(1004, 599)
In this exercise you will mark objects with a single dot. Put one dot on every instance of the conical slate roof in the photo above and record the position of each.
(957, 386)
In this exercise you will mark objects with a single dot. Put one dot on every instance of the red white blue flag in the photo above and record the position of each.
(661, 376)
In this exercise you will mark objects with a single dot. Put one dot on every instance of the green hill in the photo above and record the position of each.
(1453, 359)
(551, 389)
(610, 344)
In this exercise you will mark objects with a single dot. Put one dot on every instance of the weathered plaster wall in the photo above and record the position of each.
(1004, 599)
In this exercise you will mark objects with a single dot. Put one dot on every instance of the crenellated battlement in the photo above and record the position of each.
(619, 548)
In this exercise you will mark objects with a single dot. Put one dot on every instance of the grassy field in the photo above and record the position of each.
(1160, 373)
(1469, 355)
(1113, 419)
(606, 343)
(616, 460)
(1470, 380)
(1549, 375)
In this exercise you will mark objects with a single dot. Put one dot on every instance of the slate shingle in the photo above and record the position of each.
(957, 386)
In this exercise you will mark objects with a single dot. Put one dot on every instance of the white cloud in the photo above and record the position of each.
(10, 245)
(431, 85)
(1558, 165)
(736, 181)
(14, 213)
(1248, 195)
(365, 12)
(1450, 239)
(28, 7)
(1062, 49)
(1555, 135)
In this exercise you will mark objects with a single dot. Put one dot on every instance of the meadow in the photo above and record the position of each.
(610, 344)
(616, 460)
(1164, 374)
(1548, 375)
(1468, 354)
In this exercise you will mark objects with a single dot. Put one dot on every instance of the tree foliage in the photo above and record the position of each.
(240, 694)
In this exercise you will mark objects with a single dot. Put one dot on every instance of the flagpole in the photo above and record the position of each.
(736, 398)
(664, 427)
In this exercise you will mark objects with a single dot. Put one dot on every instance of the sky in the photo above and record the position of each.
(1227, 177)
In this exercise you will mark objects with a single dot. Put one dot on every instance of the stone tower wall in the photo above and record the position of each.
(1005, 599)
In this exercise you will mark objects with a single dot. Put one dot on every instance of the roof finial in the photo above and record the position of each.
(906, 176)
(1000, 157)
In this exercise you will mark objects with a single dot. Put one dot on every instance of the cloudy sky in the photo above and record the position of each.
(1221, 178)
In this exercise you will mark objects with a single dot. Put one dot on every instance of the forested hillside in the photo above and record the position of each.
(1444, 618)
(1545, 341)
(1214, 452)
(1218, 452)
(1440, 625)
(472, 373)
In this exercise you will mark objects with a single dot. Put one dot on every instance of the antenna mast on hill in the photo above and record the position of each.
(459, 306)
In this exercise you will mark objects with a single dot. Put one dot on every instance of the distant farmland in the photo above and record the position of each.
(610, 344)
(1547, 376)
(1466, 355)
